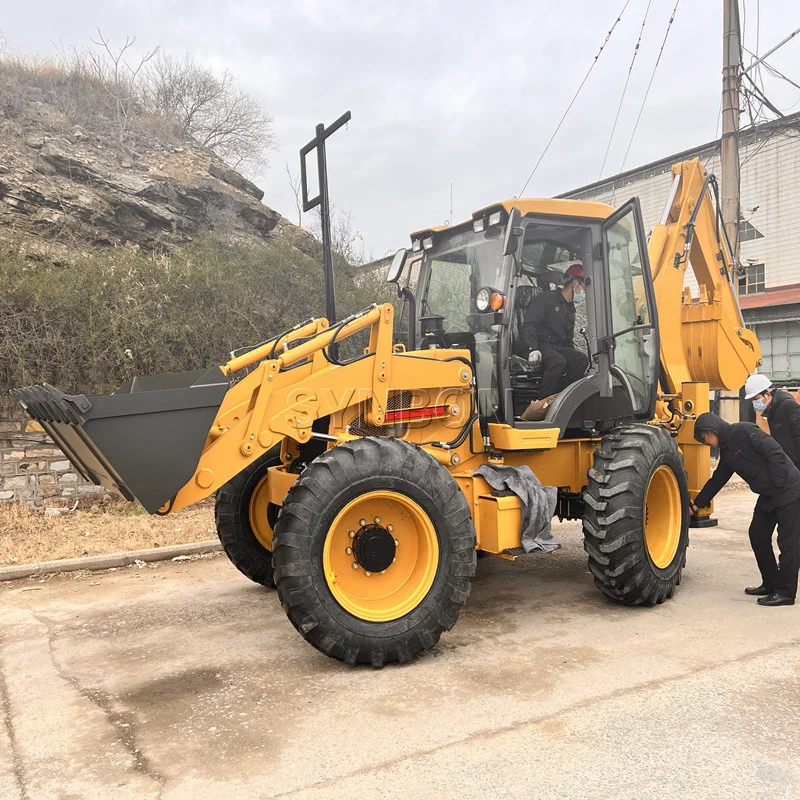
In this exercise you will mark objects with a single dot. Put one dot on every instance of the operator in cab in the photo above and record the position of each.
(548, 331)
(780, 410)
(754, 455)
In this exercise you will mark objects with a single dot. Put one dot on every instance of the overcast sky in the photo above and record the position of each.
(441, 91)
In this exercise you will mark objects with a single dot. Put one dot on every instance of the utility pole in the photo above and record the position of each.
(731, 85)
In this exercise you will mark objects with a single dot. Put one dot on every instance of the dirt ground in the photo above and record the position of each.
(30, 535)
(177, 681)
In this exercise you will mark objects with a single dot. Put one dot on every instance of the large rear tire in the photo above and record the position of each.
(374, 552)
(636, 522)
(245, 518)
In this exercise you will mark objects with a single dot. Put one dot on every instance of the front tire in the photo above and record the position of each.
(636, 523)
(245, 517)
(374, 552)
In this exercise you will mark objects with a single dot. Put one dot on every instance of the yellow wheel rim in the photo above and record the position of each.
(259, 503)
(663, 517)
(385, 595)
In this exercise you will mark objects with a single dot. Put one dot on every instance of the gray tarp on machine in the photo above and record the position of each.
(538, 503)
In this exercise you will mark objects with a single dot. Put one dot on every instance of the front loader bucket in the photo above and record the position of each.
(144, 440)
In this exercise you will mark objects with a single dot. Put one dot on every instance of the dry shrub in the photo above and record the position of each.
(28, 535)
(113, 314)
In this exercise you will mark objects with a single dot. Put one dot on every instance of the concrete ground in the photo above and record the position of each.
(184, 680)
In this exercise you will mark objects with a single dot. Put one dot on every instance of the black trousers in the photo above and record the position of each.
(780, 576)
(556, 361)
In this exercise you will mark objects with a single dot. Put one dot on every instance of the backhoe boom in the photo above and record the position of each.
(702, 340)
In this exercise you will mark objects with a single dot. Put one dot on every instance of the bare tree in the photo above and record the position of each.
(120, 78)
(294, 182)
(345, 241)
(210, 109)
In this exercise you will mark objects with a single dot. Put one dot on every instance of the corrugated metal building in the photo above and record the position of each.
(769, 230)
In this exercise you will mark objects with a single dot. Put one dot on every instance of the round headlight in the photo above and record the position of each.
(483, 299)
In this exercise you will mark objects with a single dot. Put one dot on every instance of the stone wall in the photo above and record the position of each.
(32, 469)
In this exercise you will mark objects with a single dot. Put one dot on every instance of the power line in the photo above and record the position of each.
(778, 74)
(761, 96)
(758, 25)
(756, 151)
(758, 40)
(574, 98)
(716, 137)
(625, 88)
(772, 49)
(652, 76)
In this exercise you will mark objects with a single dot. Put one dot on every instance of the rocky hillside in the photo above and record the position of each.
(121, 239)
(71, 179)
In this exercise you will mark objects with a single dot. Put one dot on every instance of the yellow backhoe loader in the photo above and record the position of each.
(350, 485)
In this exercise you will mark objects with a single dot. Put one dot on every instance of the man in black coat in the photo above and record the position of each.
(754, 455)
(780, 410)
(548, 332)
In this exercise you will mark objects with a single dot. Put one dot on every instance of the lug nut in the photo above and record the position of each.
(355, 566)
(383, 572)
(367, 573)
(362, 522)
(377, 520)
(348, 550)
(397, 543)
(390, 528)
(352, 534)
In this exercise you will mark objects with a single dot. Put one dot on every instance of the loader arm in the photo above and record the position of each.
(286, 393)
(703, 340)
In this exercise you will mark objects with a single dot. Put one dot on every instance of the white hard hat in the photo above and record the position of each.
(755, 385)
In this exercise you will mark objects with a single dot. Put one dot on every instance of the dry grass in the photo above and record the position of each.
(29, 535)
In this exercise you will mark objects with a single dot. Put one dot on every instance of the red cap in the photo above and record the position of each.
(574, 271)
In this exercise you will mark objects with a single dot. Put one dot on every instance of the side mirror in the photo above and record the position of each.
(513, 232)
(396, 269)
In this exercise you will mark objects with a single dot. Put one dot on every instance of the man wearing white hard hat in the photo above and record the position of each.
(782, 413)
(780, 410)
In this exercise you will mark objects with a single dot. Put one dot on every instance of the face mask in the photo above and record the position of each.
(579, 297)
(759, 405)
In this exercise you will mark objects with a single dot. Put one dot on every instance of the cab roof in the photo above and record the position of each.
(553, 207)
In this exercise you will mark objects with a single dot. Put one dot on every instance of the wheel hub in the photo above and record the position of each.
(374, 548)
(394, 533)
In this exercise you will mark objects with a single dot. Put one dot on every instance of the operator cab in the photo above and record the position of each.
(479, 281)
(548, 252)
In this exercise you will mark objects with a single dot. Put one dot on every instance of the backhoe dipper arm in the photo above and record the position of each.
(702, 340)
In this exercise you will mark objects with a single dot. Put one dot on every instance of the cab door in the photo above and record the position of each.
(633, 323)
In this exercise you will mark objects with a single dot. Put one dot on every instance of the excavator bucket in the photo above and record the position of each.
(144, 440)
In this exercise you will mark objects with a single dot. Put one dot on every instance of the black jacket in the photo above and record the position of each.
(754, 455)
(783, 415)
(550, 319)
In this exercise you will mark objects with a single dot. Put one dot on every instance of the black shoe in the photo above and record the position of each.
(776, 600)
(758, 591)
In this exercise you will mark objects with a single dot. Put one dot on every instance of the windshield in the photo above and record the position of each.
(453, 272)
(457, 267)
